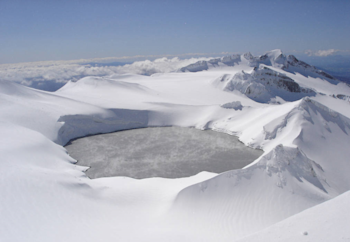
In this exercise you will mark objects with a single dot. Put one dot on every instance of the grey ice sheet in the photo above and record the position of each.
(169, 152)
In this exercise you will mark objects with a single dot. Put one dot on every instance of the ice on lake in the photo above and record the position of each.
(169, 152)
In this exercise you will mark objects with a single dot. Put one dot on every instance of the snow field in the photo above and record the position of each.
(301, 175)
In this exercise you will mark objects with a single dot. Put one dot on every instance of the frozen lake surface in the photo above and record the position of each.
(169, 152)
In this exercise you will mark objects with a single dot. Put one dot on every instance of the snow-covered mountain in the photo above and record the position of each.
(264, 85)
(274, 58)
(298, 115)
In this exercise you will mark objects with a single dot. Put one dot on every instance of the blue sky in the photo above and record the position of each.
(63, 30)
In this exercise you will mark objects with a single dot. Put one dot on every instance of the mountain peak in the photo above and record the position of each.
(274, 54)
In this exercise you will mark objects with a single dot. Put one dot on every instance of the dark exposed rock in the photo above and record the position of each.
(342, 97)
(270, 77)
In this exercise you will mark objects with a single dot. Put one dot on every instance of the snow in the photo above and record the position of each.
(325, 222)
(298, 185)
(251, 199)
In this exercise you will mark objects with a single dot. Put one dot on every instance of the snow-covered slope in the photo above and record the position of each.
(298, 115)
(325, 222)
(297, 170)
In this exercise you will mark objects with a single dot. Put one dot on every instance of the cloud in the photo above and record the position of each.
(112, 59)
(321, 53)
(51, 75)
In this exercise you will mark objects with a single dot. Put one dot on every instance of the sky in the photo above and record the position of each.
(45, 30)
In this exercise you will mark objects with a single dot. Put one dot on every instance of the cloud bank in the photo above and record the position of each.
(51, 75)
(321, 53)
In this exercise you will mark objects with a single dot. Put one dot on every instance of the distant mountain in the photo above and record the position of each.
(269, 78)
(274, 58)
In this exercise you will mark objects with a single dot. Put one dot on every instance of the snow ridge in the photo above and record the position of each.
(303, 116)
(14, 89)
(328, 115)
(283, 180)
(282, 159)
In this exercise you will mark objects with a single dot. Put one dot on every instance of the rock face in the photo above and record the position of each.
(264, 84)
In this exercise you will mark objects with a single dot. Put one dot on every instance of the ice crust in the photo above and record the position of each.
(169, 152)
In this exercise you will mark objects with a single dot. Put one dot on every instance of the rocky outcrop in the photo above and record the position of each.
(263, 84)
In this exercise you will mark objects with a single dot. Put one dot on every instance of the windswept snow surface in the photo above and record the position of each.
(322, 223)
(297, 190)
